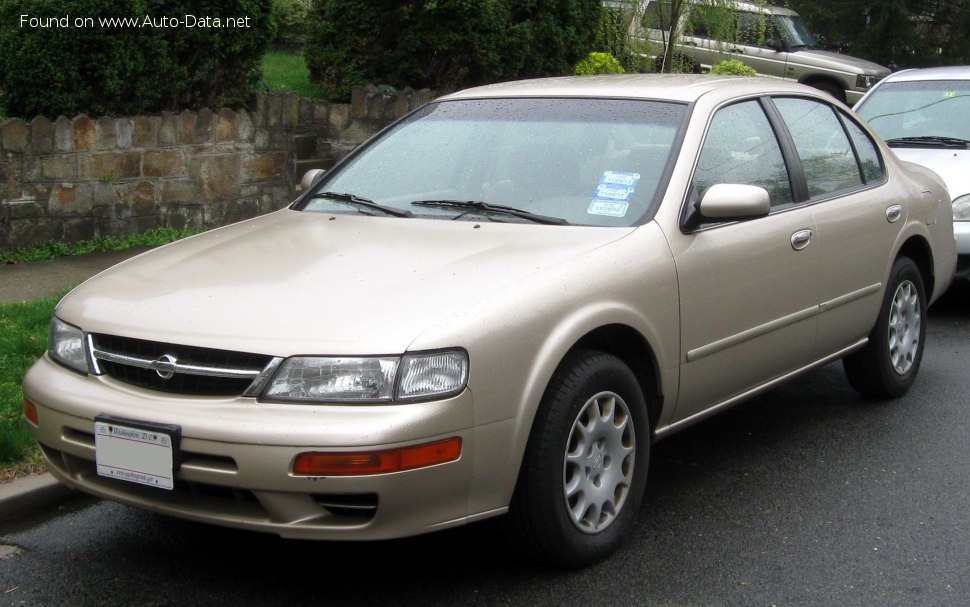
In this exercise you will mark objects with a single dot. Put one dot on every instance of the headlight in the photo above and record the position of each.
(864, 81)
(315, 379)
(66, 345)
(318, 379)
(961, 208)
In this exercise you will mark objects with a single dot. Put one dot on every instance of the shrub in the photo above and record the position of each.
(733, 67)
(682, 64)
(612, 37)
(129, 69)
(599, 63)
(445, 44)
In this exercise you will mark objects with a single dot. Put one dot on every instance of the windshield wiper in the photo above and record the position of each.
(470, 206)
(478, 205)
(930, 140)
(363, 202)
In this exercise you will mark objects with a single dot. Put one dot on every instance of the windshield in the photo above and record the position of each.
(928, 108)
(794, 31)
(586, 161)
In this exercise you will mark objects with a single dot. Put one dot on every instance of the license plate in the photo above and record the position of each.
(137, 452)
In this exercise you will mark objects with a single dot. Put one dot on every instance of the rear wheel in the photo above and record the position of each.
(887, 366)
(585, 467)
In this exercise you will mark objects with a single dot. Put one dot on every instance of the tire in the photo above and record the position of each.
(829, 89)
(585, 467)
(888, 364)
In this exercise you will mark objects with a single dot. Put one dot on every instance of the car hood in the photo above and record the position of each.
(294, 283)
(840, 62)
(953, 166)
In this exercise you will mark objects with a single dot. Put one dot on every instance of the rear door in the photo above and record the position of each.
(857, 222)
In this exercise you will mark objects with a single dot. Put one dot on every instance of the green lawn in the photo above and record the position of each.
(286, 72)
(23, 339)
(56, 248)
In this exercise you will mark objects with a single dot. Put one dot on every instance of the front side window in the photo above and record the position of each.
(595, 162)
(827, 159)
(742, 148)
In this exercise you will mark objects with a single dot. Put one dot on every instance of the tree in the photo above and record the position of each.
(446, 44)
(896, 33)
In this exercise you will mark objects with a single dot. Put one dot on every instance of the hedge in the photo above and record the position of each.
(446, 44)
(115, 69)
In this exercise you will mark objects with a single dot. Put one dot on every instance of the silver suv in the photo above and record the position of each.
(774, 41)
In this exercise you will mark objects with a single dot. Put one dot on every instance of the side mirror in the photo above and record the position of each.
(311, 178)
(734, 201)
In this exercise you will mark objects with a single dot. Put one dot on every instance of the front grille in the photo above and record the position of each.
(200, 371)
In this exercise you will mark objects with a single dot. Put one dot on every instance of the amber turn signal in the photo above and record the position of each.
(30, 412)
(362, 463)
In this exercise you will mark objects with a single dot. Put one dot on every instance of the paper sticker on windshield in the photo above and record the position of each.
(620, 178)
(949, 94)
(613, 192)
(608, 208)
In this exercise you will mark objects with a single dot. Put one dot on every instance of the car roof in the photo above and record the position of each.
(685, 88)
(955, 72)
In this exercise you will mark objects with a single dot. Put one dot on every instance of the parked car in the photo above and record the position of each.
(494, 307)
(775, 41)
(922, 115)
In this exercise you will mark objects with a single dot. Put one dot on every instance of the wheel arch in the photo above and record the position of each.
(813, 80)
(627, 344)
(918, 249)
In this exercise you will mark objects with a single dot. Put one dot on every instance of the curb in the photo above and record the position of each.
(31, 495)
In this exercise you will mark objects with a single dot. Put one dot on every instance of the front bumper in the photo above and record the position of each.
(237, 456)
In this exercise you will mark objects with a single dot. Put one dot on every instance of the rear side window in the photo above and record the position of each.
(869, 158)
(741, 148)
(827, 159)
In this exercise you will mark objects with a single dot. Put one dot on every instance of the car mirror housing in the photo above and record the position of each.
(311, 178)
(734, 201)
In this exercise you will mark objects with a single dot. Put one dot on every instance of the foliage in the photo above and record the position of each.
(897, 33)
(56, 248)
(23, 339)
(285, 72)
(445, 44)
(733, 67)
(676, 63)
(290, 17)
(133, 68)
(598, 63)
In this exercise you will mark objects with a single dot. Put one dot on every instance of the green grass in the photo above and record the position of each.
(286, 72)
(54, 248)
(23, 339)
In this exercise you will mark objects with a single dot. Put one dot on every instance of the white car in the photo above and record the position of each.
(923, 116)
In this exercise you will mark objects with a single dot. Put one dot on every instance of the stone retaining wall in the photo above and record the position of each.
(76, 178)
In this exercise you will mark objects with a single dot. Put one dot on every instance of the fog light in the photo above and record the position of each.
(30, 412)
(363, 463)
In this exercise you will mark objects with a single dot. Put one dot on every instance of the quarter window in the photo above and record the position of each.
(869, 158)
(827, 158)
(741, 148)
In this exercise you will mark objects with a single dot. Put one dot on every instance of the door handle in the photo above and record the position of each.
(801, 239)
(894, 212)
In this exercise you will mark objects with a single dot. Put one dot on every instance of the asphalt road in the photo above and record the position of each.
(808, 495)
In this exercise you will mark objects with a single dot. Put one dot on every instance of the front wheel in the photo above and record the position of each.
(585, 467)
(887, 366)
